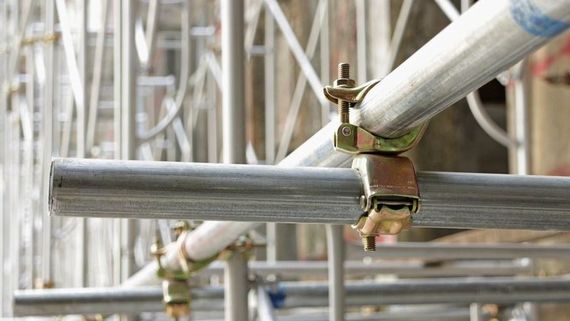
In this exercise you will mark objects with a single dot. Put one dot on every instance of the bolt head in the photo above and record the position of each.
(346, 131)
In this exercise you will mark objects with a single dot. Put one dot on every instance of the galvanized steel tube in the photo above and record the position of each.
(233, 131)
(246, 193)
(138, 189)
(233, 71)
(335, 253)
(402, 270)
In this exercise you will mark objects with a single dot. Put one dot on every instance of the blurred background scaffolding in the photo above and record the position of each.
(143, 80)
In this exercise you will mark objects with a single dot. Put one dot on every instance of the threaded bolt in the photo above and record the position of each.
(343, 70)
(343, 106)
(369, 243)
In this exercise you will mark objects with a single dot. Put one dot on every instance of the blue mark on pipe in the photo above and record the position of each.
(530, 18)
(277, 297)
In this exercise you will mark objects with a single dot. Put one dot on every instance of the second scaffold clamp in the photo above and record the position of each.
(390, 187)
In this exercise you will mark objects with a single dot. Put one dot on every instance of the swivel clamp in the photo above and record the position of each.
(390, 188)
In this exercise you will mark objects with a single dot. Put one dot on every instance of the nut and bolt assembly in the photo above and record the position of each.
(369, 243)
(345, 82)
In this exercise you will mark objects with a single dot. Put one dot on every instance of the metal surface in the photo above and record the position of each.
(100, 188)
(497, 40)
(81, 131)
(521, 131)
(98, 300)
(71, 59)
(269, 89)
(391, 196)
(47, 146)
(416, 90)
(117, 128)
(427, 291)
(265, 310)
(234, 142)
(128, 124)
(335, 253)
(359, 269)
(475, 313)
(163, 189)
(233, 102)
(98, 67)
(325, 57)
(236, 287)
(448, 8)
(473, 100)
(449, 314)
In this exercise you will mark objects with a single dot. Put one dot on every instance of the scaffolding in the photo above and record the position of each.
(151, 125)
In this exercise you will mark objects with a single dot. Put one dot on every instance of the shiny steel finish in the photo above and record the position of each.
(438, 74)
(471, 51)
(203, 191)
(493, 201)
(250, 193)
(233, 130)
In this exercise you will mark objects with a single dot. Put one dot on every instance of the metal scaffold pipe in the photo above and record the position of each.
(233, 131)
(501, 290)
(403, 270)
(487, 39)
(247, 193)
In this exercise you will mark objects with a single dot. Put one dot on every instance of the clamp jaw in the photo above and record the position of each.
(391, 196)
(391, 193)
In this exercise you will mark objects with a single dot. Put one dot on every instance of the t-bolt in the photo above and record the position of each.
(343, 106)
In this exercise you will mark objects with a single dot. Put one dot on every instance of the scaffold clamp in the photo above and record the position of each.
(391, 193)
(391, 196)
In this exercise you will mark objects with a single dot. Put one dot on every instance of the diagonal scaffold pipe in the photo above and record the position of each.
(487, 39)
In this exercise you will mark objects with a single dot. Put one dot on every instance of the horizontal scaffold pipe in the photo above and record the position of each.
(501, 290)
(404, 270)
(246, 193)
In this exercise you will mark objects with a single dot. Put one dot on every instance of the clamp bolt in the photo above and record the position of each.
(344, 79)
(369, 243)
